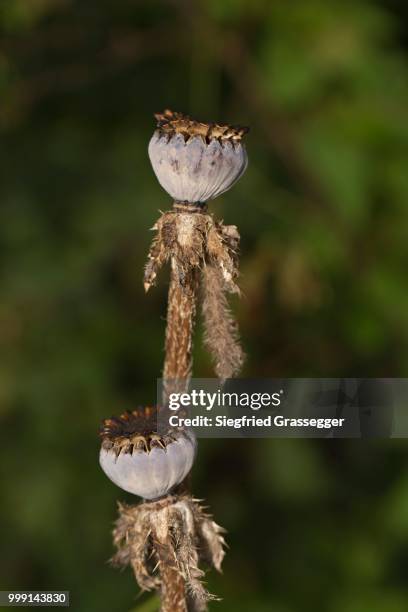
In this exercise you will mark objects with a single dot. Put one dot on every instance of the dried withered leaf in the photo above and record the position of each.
(221, 335)
(173, 534)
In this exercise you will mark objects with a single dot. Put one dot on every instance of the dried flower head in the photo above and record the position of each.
(140, 460)
(193, 161)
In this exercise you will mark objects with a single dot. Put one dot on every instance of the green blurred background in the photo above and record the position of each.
(322, 210)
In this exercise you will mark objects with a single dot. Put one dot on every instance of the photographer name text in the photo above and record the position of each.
(252, 421)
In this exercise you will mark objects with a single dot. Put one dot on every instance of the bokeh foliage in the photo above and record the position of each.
(323, 215)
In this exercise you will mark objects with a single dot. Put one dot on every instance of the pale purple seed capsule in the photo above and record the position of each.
(194, 170)
(150, 473)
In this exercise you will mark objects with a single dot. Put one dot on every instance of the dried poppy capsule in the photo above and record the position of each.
(139, 460)
(193, 161)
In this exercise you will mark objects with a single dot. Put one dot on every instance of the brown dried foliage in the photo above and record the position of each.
(164, 542)
(197, 244)
(221, 335)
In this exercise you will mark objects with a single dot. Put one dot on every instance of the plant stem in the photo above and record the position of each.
(176, 374)
(173, 587)
(179, 331)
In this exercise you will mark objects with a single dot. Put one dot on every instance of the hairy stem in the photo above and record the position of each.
(179, 331)
(173, 586)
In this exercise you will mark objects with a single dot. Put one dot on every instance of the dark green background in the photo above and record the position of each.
(322, 209)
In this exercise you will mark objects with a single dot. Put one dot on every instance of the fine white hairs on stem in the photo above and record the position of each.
(142, 462)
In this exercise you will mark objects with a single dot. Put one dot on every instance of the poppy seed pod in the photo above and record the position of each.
(195, 162)
(139, 460)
